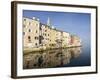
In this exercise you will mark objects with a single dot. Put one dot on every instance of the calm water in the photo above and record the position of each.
(69, 57)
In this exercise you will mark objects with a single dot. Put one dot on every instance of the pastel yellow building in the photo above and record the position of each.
(65, 39)
(58, 39)
(45, 33)
(53, 38)
(31, 32)
(37, 35)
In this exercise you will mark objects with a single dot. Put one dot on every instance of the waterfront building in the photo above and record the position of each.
(31, 32)
(58, 38)
(75, 40)
(53, 38)
(45, 33)
(46, 36)
(65, 39)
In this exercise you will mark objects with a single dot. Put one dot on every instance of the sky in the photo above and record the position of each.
(75, 23)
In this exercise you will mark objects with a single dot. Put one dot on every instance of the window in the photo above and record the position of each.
(36, 38)
(36, 31)
(36, 44)
(40, 28)
(36, 24)
(29, 30)
(29, 38)
(24, 19)
(23, 33)
(45, 30)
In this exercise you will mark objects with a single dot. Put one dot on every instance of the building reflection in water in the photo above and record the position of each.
(50, 58)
